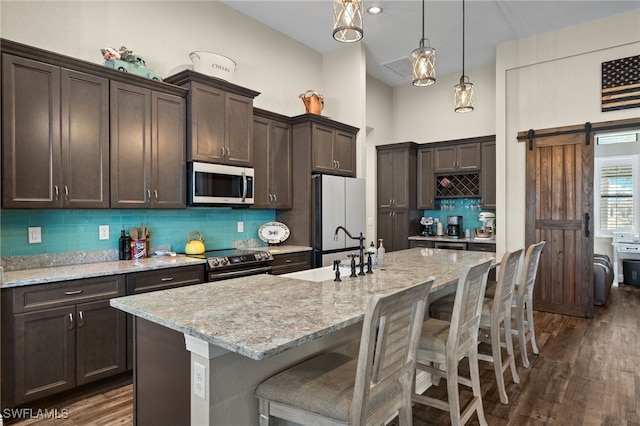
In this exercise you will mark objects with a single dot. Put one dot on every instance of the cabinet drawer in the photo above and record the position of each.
(44, 296)
(421, 243)
(481, 247)
(292, 262)
(161, 279)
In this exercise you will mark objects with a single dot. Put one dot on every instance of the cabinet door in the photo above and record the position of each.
(238, 130)
(385, 228)
(44, 353)
(261, 187)
(385, 175)
(206, 129)
(344, 153)
(400, 232)
(101, 341)
(445, 159)
(168, 182)
(85, 140)
(130, 145)
(404, 182)
(488, 176)
(31, 174)
(280, 167)
(322, 149)
(426, 180)
(469, 156)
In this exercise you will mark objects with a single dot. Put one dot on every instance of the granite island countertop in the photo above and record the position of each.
(264, 315)
(98, 269)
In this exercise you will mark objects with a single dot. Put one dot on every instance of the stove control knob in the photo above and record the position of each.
(224, 261)
(215, 261)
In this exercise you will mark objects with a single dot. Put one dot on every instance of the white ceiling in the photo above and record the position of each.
(393, 34)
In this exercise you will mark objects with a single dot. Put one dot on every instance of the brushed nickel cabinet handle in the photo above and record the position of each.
(148, 196)
(155, 195)
(275, 198)
(70, 327)
(80, 319)
(222, 152)
(228, 153)
(55, 187)
(66, 193)
(165, 279)
(74, 292)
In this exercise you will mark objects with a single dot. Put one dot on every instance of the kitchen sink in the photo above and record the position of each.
(325, 273)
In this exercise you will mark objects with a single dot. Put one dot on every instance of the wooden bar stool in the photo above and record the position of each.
(445, 344)
(496, 316)
(336, 389)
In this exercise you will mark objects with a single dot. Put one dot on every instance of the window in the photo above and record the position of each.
(616, 184)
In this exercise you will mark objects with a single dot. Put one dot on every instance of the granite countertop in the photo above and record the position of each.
(454, 240)
(283, 249)
(88, 270)
(263, 315)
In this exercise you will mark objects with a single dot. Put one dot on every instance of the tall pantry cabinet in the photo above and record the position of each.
(397, 215)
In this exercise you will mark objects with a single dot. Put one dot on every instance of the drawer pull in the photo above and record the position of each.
(71, 293)
(70, 321)
(167, 279)
(288, 261)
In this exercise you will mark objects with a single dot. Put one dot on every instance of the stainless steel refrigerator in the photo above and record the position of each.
(337, 201)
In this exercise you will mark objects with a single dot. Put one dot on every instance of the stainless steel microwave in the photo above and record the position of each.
(219, 184)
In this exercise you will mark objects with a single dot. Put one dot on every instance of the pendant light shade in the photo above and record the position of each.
(424, 61)
(463, 92)
(463, 95)
(347, 14)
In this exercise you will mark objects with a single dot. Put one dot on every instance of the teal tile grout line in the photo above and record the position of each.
(77, 230)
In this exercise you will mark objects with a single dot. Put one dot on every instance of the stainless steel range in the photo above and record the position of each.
(234, 263)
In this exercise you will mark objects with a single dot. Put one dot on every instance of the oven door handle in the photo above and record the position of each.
(217, 276)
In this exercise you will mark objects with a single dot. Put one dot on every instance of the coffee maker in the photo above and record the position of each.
(454, 226)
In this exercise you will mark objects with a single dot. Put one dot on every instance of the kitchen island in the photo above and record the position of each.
(241, 331)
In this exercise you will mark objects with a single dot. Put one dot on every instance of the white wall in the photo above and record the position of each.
(164, 33)
(426, 114)
(550, 80)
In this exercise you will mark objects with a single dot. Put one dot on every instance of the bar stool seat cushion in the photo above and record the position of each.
(322, 385)
(438, 333)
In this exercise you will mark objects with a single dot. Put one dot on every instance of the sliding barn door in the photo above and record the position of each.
(559, 199)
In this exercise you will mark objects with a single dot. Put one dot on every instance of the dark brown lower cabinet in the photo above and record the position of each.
(421, 243)
(291, 262)
(395, 227)
(60, 336)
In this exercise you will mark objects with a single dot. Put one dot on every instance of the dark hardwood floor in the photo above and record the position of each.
(587, 373)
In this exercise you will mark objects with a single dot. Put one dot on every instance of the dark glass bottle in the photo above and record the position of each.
(122, 247)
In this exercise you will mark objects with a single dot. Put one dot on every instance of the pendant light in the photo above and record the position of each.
(463, 92)
(424, 61)
(347, 14)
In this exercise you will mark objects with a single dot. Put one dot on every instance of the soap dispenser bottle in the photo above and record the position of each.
(122, 245)
(381, 253)
(372, 250)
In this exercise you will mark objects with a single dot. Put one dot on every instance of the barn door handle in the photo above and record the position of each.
(587, 232)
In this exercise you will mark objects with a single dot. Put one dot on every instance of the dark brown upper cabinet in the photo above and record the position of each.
(55, 136)
(426, 179)
(273, 161)
(488, 176)
(333, 144)
(220, 119)
(148, 168)
(457, 158)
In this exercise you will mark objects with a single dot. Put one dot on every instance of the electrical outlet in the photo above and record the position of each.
(199, 380)
(35, 235)
(240, 226)
(104, 232)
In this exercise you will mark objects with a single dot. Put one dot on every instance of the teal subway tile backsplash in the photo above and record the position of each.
(468, 208)
(77, 230)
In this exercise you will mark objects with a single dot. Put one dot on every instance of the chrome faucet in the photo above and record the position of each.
(361, 238)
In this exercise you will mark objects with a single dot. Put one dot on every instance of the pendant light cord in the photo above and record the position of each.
(422, 22)
(462, 40)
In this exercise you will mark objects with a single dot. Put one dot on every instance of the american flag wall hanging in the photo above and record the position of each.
(621, 84)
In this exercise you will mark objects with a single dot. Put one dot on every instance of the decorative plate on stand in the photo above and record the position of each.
(273, 232)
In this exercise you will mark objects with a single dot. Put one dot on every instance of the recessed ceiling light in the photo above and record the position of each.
(374, 10)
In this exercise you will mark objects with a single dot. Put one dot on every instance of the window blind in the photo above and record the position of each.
(616, 197)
